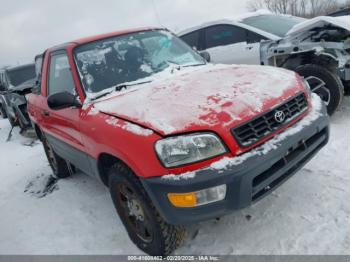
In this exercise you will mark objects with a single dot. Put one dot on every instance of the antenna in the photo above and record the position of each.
(156, 12)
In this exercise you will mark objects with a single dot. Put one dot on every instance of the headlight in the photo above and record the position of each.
(306, 85)
(186, 149)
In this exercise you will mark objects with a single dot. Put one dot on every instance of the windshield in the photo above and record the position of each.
(123, 59)
(273, 24)
(21, 75)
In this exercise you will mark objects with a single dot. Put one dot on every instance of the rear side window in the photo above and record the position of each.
(60, 77)
(222, 35)
(192, 39)
(273, 24)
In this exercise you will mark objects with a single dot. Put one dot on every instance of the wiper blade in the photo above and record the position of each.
(200, 64)
(102, 95)
(126, 85)
(120, 87)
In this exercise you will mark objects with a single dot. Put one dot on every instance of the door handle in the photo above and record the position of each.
(46, 113)
(249, 47)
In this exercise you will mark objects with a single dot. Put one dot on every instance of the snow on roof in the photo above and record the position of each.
(321, 21)
(234, 19)
(240, 18)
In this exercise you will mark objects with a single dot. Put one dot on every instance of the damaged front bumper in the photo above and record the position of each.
(257, 175)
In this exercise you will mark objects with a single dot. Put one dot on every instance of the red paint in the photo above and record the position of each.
(93, 135)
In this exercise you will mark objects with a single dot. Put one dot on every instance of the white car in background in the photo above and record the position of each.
(318, 49)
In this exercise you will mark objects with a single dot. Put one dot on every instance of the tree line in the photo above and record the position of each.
(301, 8)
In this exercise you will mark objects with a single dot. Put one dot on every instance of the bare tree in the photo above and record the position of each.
(303, 8)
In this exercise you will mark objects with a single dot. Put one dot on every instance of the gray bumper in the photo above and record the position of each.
(247, 182)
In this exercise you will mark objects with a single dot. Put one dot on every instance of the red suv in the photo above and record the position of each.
(176, 140)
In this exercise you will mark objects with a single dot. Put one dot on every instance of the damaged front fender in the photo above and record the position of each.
(321, 39)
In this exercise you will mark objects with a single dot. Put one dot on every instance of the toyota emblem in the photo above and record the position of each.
(280, 116)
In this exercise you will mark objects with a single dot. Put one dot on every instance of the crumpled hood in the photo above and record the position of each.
(203, 98)
(319, 22)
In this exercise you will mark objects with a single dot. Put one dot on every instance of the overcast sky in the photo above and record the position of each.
(28, 27)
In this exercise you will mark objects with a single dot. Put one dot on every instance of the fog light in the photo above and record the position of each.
(199, 198)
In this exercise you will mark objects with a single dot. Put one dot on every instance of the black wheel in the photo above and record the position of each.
(3, 112)
(146, 228)
(60, 167)
(324, 83)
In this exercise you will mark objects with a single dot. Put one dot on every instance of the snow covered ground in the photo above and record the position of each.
(310, 214)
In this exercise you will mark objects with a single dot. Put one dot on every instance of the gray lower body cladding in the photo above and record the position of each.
(246, 183)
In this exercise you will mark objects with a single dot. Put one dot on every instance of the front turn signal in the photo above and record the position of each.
(199, 198)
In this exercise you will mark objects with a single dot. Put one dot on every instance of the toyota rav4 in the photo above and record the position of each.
(176, 140)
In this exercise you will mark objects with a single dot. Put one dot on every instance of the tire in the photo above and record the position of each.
(325, 83)
(154, 235)
(3, 112)
(60, 167)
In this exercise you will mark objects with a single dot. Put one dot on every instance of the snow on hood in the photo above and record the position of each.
(321, 21)
(228, 162)
(204, 97)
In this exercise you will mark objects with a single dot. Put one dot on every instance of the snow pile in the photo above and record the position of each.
(205, 96)
(135, 129)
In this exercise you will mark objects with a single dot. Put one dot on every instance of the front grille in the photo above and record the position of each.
(253, 131)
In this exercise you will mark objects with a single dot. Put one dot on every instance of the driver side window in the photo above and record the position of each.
(60, 77)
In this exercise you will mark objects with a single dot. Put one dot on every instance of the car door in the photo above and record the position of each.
(229, 44)
(62, 127)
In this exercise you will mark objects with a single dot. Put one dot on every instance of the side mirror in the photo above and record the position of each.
(205, 55)
(62, 100)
